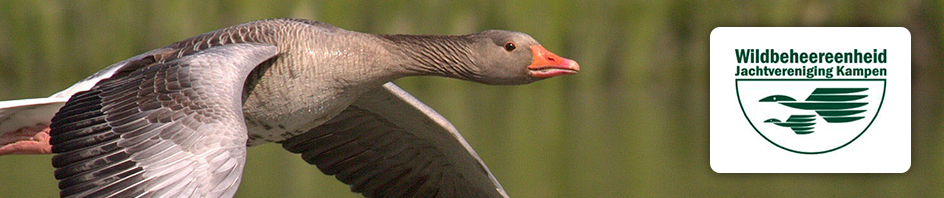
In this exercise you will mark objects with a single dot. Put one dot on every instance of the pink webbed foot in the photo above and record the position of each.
(26, 140)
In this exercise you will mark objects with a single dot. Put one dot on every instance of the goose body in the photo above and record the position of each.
(176, 121)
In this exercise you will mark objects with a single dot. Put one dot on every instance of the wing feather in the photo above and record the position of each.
(388, 144)
(162, 129)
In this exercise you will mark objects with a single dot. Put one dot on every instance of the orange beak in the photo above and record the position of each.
(545, 64)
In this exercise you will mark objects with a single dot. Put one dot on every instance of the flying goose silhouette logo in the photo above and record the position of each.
(810, 116)
(834, 105)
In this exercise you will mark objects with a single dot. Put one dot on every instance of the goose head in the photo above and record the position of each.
(508, 58)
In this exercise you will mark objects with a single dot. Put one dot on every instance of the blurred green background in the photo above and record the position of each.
(633, 123)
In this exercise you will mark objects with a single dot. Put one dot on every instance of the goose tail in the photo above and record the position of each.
(24, 124)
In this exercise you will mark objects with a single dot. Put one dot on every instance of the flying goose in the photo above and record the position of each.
(176, 121)
(801, 124)
(835, 105)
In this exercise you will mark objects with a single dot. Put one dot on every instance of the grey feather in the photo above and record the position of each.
(389, 144)
(152, 146)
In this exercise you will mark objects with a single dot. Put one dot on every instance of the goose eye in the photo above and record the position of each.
(509, 46)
